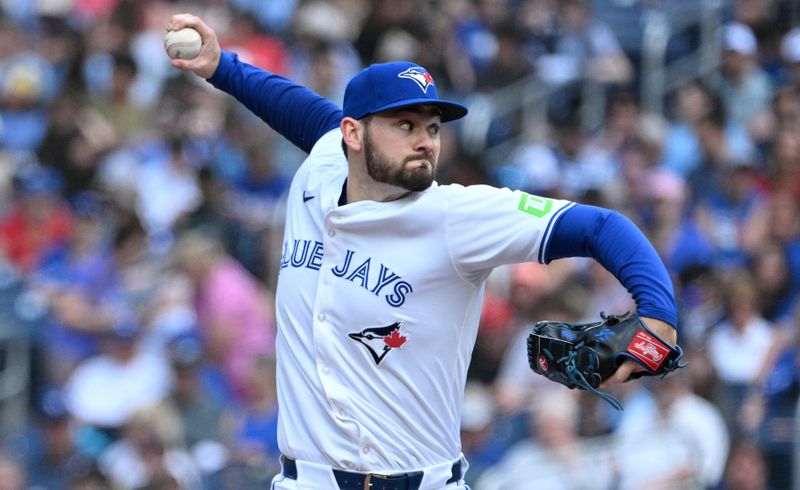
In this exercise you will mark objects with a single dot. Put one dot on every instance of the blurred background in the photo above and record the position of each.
(141, 211)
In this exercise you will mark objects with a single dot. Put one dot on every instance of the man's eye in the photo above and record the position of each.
(406, 126)
(434, 130)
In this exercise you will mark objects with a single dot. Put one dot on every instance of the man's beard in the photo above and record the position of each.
(386, 171)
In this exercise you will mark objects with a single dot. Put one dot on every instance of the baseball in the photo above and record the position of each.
(184, 43)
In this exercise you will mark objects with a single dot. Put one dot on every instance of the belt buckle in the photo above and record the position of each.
(368, 479)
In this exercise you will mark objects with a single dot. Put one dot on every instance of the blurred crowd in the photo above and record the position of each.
(140, 223)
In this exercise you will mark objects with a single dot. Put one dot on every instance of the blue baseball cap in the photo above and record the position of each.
(385, 86)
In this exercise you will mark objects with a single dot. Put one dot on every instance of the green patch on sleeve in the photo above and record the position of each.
(535, 205)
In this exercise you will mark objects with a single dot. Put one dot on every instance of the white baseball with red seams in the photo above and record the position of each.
(183, 44)
(378, 308)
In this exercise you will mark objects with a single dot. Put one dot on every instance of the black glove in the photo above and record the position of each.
(584, 355)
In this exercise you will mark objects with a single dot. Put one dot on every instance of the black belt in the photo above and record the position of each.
(349, 480)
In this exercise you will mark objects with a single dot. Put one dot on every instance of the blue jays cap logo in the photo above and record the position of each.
(380, 340)
(420, 76)
(383, 86)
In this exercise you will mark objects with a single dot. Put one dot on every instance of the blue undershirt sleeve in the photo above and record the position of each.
(618, 245)
(296, 112)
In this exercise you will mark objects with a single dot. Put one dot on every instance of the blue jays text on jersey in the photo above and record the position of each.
(370, 275)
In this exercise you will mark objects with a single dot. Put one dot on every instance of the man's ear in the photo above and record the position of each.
(352, 133)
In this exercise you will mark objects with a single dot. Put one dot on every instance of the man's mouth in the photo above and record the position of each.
(421, 161)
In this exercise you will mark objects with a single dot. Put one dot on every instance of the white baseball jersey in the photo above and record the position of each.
(378, 306)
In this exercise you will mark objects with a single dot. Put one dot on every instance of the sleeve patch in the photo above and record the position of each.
(535, 205)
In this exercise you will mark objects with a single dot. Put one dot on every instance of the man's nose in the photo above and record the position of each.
(425, 142)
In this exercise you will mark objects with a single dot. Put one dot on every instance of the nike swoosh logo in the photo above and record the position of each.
(307, 197)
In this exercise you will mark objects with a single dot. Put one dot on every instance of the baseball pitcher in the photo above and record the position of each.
(382, 274)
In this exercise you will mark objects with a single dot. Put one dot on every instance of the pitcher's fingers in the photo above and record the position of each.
(180, 64)
(621, 374)
(179, 21)
(197, 66)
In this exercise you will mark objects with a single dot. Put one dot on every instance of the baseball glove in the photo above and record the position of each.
(584, 355)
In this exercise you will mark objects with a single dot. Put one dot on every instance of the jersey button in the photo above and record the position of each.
(365, 450)
(331, 233)
(321, 317)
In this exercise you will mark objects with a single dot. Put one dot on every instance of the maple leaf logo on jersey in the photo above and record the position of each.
(420, 76)
(380, 340)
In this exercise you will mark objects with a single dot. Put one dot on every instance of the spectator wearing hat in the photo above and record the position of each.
(27, 84)
(745, 88)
